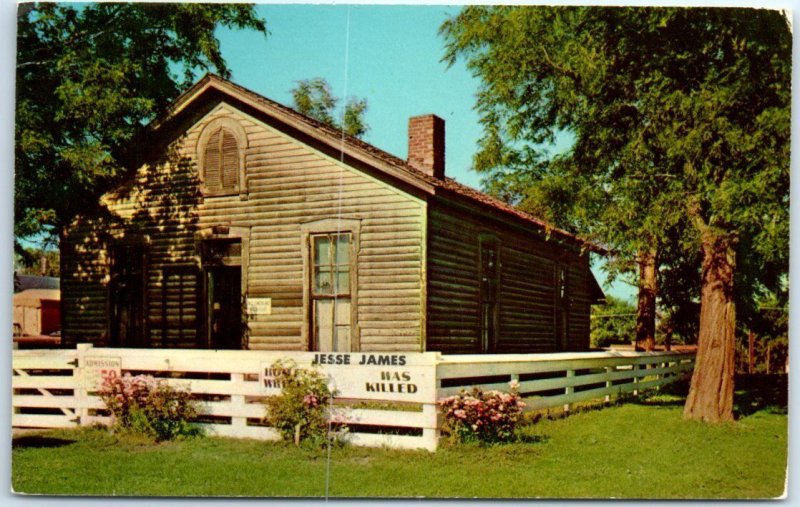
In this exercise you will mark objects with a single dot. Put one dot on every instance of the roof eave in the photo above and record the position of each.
(210, 81)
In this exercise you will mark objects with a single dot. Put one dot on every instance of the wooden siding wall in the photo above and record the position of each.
(526, 296)
(84, 279)
(158, 207)
(287, 184)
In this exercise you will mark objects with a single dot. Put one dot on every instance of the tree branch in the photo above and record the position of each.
(567, 72)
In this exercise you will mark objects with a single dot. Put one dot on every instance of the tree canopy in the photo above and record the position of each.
(313, 97)
(89, 78)
(681, 127)
(612, 322)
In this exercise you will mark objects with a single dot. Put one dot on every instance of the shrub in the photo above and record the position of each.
(482, 416)
(300, 412)
(151, 407)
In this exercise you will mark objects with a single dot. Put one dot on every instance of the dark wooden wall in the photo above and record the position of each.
(526, 298)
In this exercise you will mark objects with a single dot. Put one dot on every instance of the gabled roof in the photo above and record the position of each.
(365, 152)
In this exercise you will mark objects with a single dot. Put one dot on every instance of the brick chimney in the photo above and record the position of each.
(426, 144)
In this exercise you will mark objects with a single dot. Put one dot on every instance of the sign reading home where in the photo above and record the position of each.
(259, 306)
(407, 376)
(96, 368)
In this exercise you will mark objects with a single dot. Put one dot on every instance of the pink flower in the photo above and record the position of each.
(310, 400)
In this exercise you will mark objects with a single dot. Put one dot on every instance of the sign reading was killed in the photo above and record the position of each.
(380, 376)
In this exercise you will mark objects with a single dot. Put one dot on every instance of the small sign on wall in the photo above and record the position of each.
(259, 306)
(95, 369)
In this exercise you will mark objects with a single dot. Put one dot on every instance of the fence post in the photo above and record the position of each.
(569, 389)
(238, 423)
(659, 376)
(432, 413)
(608, 383)
(636, 378)
(81, 389)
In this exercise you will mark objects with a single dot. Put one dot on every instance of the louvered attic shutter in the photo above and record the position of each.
(212, 162)
(230, 161)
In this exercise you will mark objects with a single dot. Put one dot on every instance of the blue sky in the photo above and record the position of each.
(392, 60)
(390, 55)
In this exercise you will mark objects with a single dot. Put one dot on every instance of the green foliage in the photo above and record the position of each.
(680, 122)
(313, 97)
(770, 326)
(89, 77)
(300, 413)
(145, 406)
(35, 261)
(613, 322)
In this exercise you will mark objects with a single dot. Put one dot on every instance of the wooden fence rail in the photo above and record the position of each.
(385, 399)
(556, 380)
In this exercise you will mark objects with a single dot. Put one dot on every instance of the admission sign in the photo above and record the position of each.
(405, 376)
(96, 368)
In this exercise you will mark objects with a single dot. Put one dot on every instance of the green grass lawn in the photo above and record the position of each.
(642, 449)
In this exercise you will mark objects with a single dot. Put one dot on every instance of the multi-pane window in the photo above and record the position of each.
(331, 291)
(221, 162)
(331, 264)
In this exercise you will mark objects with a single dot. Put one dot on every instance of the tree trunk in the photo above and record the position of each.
(769, 349)
(646, 309)
(711, 392)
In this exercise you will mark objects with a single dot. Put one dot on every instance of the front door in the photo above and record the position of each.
(224, 307)
(127, 303)
(223, 322)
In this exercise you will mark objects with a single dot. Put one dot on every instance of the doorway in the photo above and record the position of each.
(224, 307)
(223, 323)
(127, 295)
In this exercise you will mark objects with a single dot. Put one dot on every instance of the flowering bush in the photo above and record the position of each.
(142, 404)
(482, 416)
(300, 412)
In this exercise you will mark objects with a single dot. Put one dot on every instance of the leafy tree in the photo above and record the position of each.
(613, 322)
(34, 261)
(681, 125)
(89, 77)
(313, 97)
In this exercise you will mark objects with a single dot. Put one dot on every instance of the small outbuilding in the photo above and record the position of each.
(37, 312)
(250, 226)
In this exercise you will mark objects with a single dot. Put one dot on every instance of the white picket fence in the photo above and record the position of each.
(386, 399)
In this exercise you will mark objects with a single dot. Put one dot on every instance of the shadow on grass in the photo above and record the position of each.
(38, 442)
(670, 395)
(753, 393)
(760, 392)
(522, 438)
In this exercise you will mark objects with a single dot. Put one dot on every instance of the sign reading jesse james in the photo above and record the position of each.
(376, 376)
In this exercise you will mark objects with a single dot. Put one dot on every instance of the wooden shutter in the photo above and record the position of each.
(230, 161)
(212, 162)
